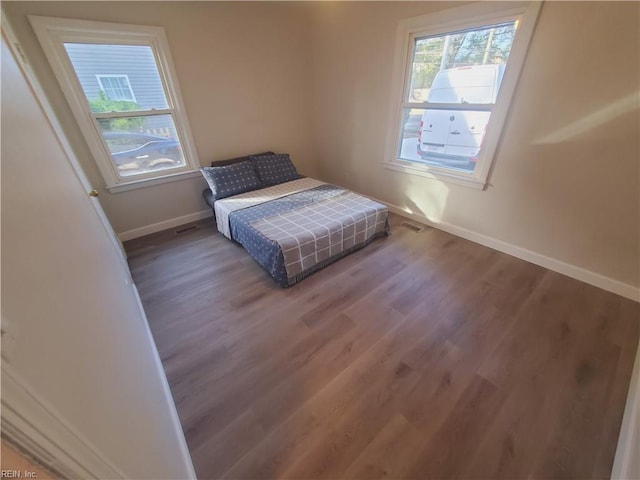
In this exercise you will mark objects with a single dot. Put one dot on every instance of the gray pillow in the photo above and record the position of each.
(274, 169)
(229, 180)
(230, 161)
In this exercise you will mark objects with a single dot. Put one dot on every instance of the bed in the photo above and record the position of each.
(291, 225)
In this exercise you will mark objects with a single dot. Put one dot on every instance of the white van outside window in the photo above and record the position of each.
(454, 137)
(459, 75)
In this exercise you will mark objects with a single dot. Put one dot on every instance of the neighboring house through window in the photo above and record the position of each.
(116, 87)
(455, 74)
(122, 89)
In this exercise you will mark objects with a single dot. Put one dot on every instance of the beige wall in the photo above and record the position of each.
(565, 182)
(314, 80)
(245, 76)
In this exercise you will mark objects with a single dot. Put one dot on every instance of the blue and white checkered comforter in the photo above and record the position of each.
(295, 234)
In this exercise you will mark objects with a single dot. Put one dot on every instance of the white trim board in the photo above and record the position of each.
(175, 419)
(36, 427)
(592, 278)
(164, 225)
(626, 463)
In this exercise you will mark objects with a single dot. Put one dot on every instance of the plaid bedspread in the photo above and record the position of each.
(296, 228)
(225, 207)
(311, 235)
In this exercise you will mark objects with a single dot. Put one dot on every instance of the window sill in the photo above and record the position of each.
(148, 182)
(443, 175)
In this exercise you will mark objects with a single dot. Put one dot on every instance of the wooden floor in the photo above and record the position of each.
(421, 356)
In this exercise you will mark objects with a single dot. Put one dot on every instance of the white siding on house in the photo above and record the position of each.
(134, 61)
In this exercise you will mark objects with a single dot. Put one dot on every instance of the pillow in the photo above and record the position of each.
(229, 161)
(274, 169)
(229, 180)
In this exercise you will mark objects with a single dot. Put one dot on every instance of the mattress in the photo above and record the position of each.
(296, 228)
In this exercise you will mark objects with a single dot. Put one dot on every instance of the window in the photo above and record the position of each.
(115, 87)
(121, 87)
(455, 75)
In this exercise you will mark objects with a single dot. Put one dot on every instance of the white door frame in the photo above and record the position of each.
(28, 420)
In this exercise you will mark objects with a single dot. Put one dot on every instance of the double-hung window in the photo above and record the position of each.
(120, 84)
(455, 74)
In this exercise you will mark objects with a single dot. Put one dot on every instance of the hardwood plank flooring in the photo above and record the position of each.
(422, 356)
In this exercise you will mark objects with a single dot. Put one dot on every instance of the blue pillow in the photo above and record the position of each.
(274, 169)
(231, 180)
(230, 161)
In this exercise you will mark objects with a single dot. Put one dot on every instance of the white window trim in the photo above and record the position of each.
(121, 75)
(52, 33)
(454, 19)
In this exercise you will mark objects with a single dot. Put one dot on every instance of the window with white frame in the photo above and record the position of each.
(116, 87)
(454, 77)
(135, 138)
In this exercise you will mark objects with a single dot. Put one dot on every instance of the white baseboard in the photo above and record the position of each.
(175, 419)
(158, 227)
(626, 464)
(592, 278)
(35, 427)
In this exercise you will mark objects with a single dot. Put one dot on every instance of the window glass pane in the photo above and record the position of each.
(461, 67)
(142, 144)
(117, 78)
(444, 138)
(116, 87)
(118, 90)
